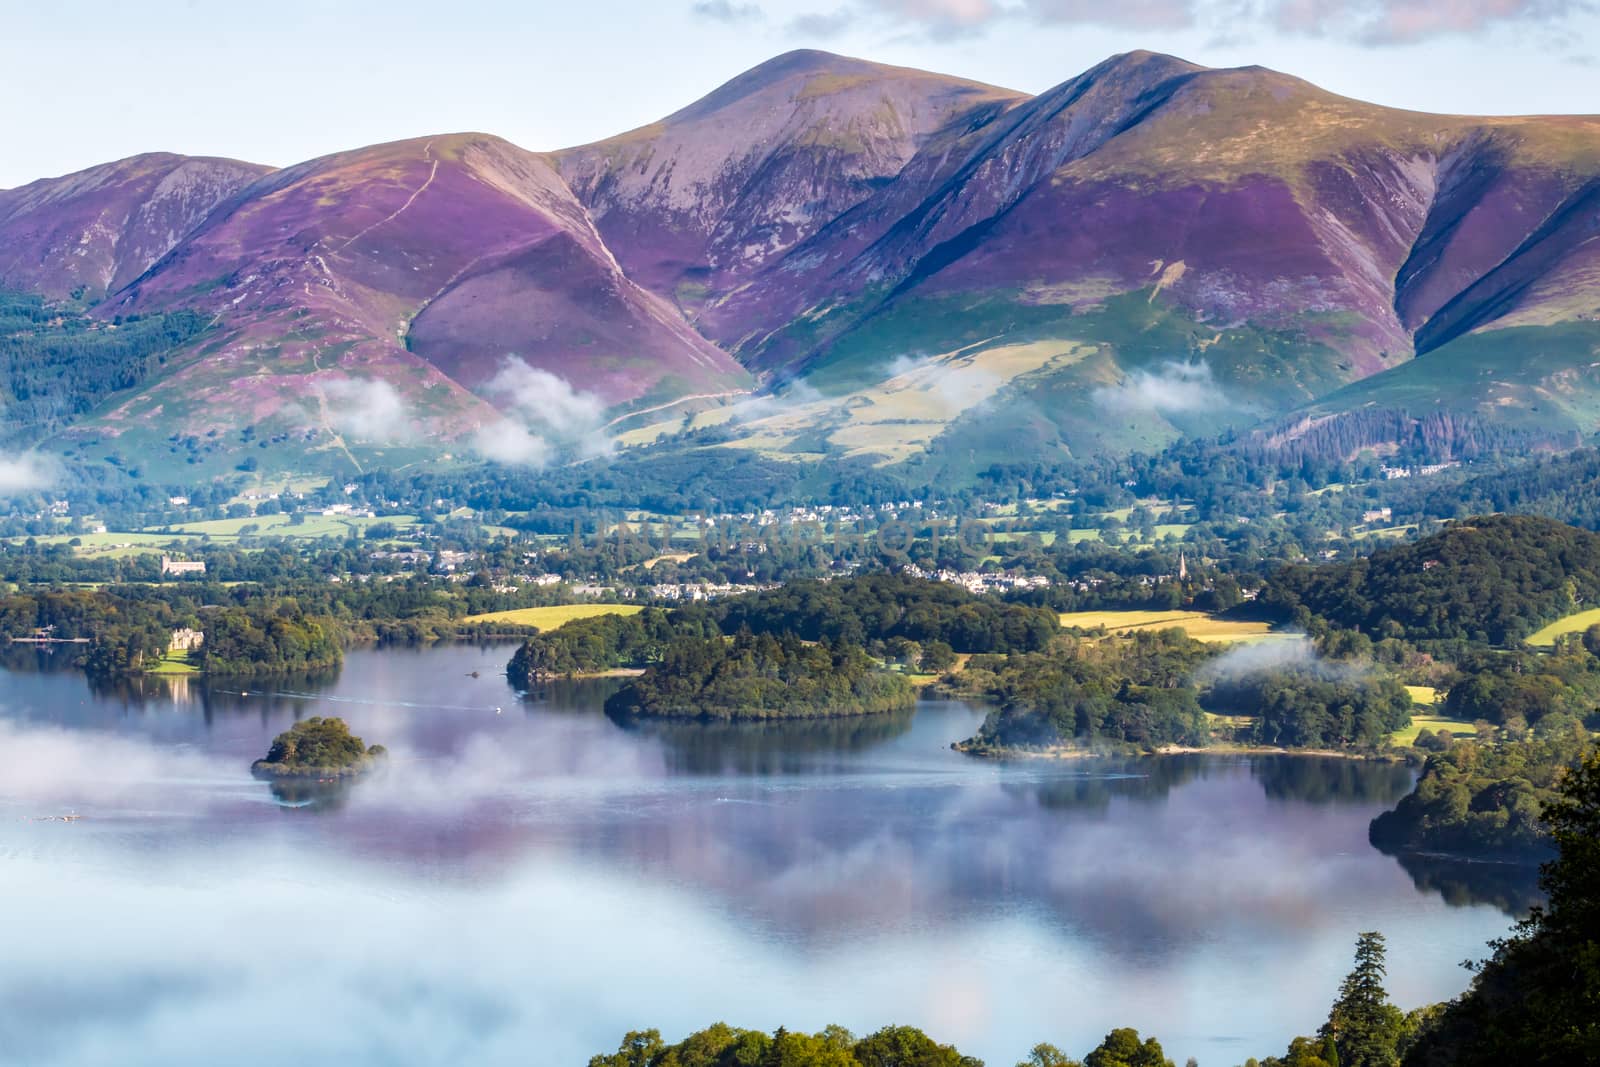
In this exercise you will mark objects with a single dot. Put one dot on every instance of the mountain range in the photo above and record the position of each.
(831, 257)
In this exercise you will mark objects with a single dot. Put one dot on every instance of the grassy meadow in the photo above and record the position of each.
(1197, 624)
(548, 618)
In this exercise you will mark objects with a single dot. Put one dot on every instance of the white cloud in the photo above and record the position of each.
(1174, 389)
(727, 11)
(368, 409)
(510, 442)
(25, 473)
(545, 415)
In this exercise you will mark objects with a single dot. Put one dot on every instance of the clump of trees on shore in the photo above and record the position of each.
(759, 676)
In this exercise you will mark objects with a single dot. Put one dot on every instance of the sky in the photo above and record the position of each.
(87, 81)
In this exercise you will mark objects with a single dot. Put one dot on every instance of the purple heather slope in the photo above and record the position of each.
(99, 229)
(800, 206)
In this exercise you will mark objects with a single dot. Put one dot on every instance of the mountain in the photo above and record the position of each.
(926, 271)
(93, 232)
(1151, 248)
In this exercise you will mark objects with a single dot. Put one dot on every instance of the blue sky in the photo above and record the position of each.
(85, 81)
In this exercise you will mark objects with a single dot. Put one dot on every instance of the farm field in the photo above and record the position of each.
(1572, 624)
(1196, 624)
(313, 526)
(1436, 723)
(550, 617)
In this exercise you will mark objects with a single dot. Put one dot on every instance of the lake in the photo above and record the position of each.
(528, 880)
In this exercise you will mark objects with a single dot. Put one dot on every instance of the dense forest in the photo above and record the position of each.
(279, 640)
(1483, 800)
(57, 363)
(912, 620)
(1522, 689)
(1137, 689)
(1493, 579)
(882, 607)
(605, 642)
(759, 676)
(1565, 487)
(127, 628)
(1532, 1003)
(1313, 706)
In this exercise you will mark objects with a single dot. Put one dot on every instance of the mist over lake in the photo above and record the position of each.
(528, 879)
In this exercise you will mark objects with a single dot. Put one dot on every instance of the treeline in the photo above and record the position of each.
(759, 676)
(1493, 579)
(1483, 800)
(882, 607)
(1135, 689)
(128, 628)
(1151, 688)
(57, 363)
(1565, 487)
(1313, 706)
(721, 1045)
(1521, 689)
(281, 639)
(606, 642)
(915, 621)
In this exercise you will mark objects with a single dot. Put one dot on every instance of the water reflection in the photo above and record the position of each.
(763, 748)
(1511, 887)
(312, 796)
(1332, 781)
(534, 874)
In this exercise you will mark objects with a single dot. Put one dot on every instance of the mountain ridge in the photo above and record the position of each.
(1149, 249)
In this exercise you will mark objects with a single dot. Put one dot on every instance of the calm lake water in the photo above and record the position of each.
(529, 880)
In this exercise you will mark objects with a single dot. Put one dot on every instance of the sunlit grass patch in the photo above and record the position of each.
(552, 616)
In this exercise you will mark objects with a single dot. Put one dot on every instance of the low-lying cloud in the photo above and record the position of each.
(25, 473)
(956, 386)
(1173, 389)
(545, 417)
(368, 409)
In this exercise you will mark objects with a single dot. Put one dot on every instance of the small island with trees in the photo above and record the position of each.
(759, 676)
(318, 748)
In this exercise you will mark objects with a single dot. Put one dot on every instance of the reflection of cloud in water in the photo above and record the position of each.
(545, 879)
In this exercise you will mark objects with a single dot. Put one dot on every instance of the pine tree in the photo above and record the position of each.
(1363, 1026)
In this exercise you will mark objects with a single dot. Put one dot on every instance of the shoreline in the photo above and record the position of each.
(1076, 752)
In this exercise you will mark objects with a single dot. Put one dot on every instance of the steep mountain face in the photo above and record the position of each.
(704, 199)
(93, 232)
(959, 274)
(1159, 248)
(404, 274)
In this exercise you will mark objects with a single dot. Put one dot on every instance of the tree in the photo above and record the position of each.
(906, 1046)
(1122, 1048)
(1364, 1026)
(1043, 1055)
(638, 1049)
(1535, 1000)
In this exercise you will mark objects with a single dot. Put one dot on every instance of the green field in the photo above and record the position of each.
(1196, 624)
(1438, 724)
(1572, 624)
(312, 527)
(548, 618)
(175, 662)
